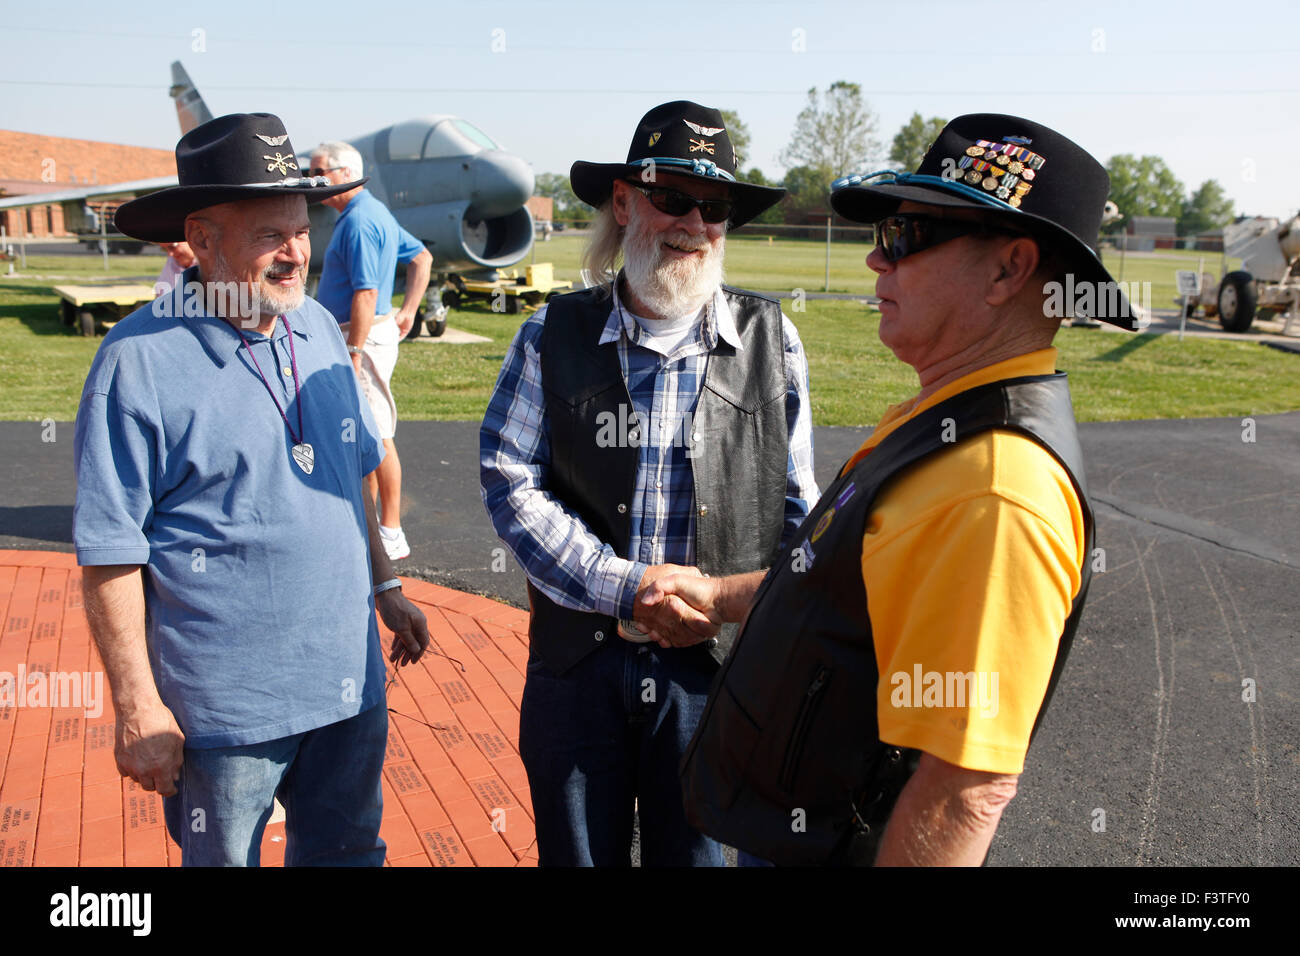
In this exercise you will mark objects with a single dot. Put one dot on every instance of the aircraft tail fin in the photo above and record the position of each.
(191, 111)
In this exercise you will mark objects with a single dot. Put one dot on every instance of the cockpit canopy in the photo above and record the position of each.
(435, 137)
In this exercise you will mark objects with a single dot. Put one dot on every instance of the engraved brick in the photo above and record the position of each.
(444, 847)
(405, 778)
(456, 691)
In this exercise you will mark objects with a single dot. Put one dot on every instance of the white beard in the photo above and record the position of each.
(669, 287)
(265, 302)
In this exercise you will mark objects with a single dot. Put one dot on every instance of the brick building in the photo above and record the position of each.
(31, 163)
(542, 208)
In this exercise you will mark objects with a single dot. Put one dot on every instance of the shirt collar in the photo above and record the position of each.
(718, 322)
(352, 203)
(218, 336)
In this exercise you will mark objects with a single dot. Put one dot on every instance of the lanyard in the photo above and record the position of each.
(297, 388)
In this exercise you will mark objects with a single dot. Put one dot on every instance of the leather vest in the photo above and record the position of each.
(736, 443)
(786, 762)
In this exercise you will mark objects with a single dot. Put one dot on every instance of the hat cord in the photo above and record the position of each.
(907, 179)
(702, 167)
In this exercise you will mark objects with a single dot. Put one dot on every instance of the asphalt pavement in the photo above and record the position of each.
(1173, 736)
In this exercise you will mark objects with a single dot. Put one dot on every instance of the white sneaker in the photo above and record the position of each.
(396, 546)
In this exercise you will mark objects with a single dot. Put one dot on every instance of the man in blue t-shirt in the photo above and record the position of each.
(232, 563)
(356, 285)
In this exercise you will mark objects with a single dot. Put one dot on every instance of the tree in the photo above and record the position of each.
(913, 140)
(555, 186)
(739, 133)
(1207, 208)
(808, 189)
(835, 133)
(1143, 187)
(773, 215)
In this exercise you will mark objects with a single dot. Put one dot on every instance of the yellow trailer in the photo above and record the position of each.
(511, 292)
(90, 308)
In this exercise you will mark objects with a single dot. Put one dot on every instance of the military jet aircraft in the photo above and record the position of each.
(446, 181)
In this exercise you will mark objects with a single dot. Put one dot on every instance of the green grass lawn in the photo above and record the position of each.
(1114, 376)
(784, 264)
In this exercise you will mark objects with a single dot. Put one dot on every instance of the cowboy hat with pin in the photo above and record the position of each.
(1024, 176)
(240, 156)
(683, 138)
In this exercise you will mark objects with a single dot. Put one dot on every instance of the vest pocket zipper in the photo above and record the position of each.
(803, 720)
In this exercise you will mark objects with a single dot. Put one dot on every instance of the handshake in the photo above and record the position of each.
(678, 606)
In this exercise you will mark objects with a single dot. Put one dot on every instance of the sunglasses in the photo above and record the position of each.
(317, 171)
(904, 234)
(675, 203)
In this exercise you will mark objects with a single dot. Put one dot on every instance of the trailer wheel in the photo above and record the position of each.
(86, 320)
(451, 299)
(416, 327)
(1237, 300)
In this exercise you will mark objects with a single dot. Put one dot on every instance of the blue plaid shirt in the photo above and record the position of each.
(558, 552)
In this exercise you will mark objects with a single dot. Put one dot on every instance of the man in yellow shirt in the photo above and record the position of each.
(894, 665)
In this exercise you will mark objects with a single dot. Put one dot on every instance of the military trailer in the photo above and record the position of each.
(1268, 282)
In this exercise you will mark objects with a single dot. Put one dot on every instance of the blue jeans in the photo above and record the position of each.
(609, 734)
(327, 779)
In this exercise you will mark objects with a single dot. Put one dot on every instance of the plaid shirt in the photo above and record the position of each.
(560, 555)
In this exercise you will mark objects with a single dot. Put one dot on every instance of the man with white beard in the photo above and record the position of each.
(233, 564)
(656, 423)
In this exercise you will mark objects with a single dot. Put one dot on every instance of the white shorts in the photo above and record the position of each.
(378, 359)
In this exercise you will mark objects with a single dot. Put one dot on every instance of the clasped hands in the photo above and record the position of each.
(677, 605)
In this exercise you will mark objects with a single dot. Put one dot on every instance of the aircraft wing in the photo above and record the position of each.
(137, 187)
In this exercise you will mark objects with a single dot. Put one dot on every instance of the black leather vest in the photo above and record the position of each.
(737, 446)
(786, 762)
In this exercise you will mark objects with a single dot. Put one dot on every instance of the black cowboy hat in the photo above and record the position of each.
(1023, 175)
(240, 156)
(683, 138)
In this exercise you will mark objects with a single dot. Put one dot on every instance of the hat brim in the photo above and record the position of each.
(871, 203)
(160, 216)
(593, 183)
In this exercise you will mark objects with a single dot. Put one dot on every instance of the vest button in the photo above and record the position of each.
(633, 435)
(704, 509)
(600, 635)
(711, 642)
(622, 509)
(696, 436)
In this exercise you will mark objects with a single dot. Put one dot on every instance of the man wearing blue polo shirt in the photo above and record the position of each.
(232, 562)
(356, 286)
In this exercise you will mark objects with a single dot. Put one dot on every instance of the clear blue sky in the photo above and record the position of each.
(1210, 87)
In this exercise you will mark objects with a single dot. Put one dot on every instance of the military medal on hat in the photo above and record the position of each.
(1021, 173)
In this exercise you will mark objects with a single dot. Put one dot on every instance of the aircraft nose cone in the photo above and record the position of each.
(501, 183)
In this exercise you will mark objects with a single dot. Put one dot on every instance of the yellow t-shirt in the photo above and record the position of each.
(971, 562)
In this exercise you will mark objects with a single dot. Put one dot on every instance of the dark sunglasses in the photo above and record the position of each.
(675, 203)
(907, 233)
(317, 171)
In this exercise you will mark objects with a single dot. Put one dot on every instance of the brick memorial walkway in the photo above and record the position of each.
(455, 793)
